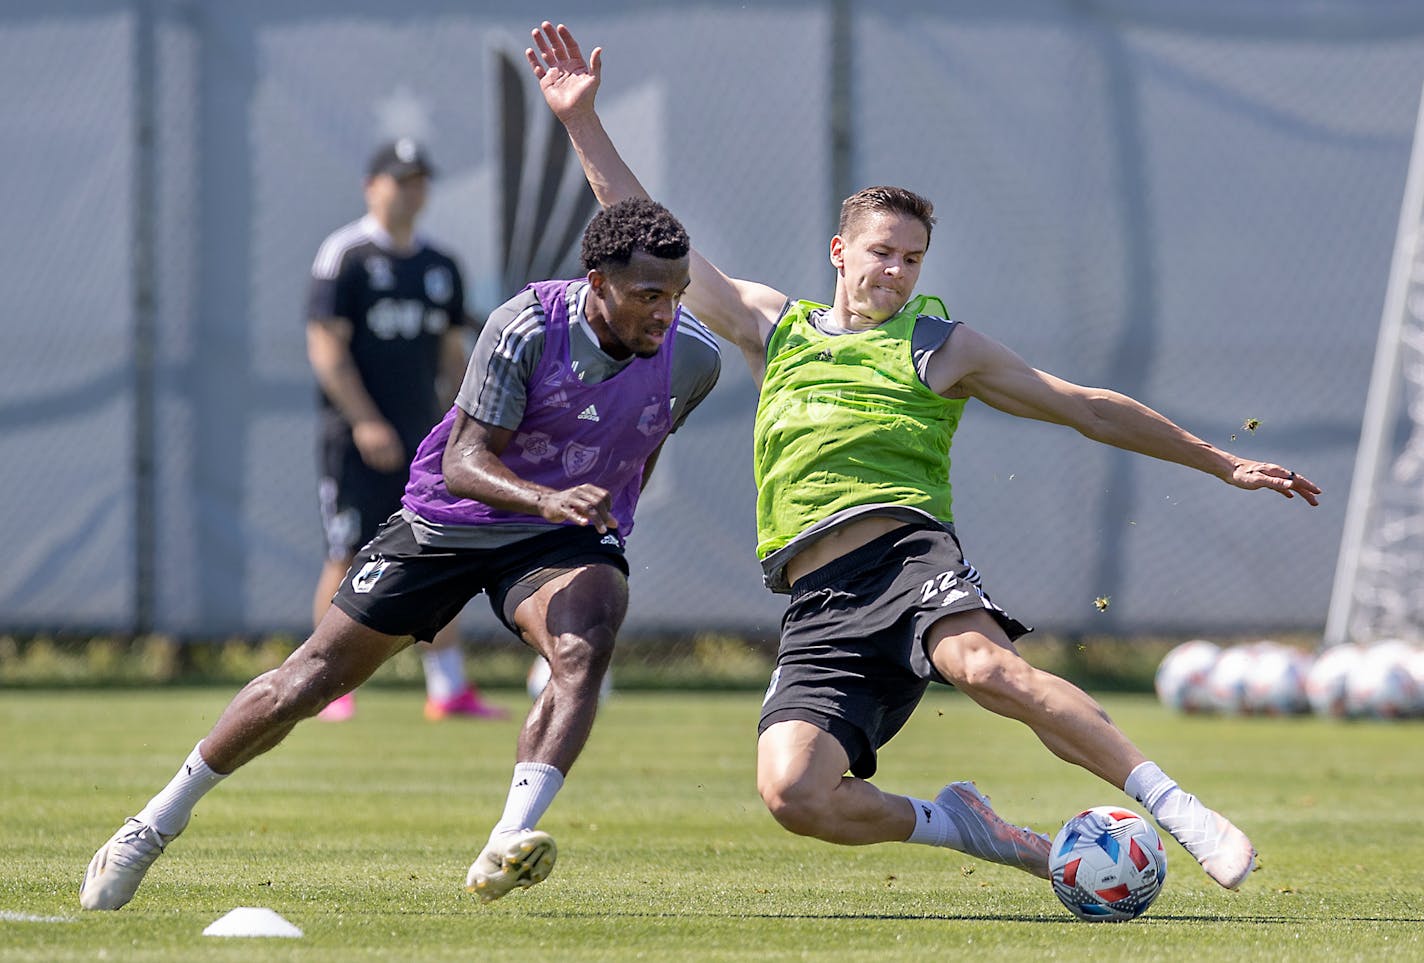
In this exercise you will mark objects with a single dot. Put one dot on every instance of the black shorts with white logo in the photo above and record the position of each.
(400, 587)
(852, 659)
(355, 498)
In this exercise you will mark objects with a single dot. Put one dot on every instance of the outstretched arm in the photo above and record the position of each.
(974, 365)
(743, 312)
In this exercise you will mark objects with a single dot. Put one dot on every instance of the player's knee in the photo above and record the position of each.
(994, 672)
(797, 806)
(583, 656)
(281, 696)
(298, 689)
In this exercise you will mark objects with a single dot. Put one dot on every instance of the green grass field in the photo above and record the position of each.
(360, 834)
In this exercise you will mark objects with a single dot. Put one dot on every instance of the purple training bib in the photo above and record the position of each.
(572, 433)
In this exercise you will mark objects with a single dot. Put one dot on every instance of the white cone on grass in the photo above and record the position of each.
(252, 921)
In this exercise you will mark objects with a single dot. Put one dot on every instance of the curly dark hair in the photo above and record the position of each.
(637, 224)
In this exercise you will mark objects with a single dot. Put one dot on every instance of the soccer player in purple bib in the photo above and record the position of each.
(859, 402)
(525, 491)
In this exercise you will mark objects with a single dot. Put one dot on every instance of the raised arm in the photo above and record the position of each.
(973, 365)
(743, 312)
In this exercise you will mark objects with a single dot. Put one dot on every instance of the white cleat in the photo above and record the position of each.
(120, 864)
(509, 861)
(983, 833)
(1223, 850)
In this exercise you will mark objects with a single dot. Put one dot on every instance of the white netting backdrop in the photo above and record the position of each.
(1196, 206)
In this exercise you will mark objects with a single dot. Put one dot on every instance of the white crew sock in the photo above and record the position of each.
(169, 811)
(933, 827)
(531, 791)
(444, 672)
(1150, 786)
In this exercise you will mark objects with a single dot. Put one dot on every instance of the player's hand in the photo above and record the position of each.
(1262, 474)
(582, 505)
(567, 82)
(379, 445)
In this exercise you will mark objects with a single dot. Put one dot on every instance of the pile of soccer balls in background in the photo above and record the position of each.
(1384, 680)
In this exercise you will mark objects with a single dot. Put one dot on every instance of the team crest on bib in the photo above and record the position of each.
(822, 405)
(535, 446)
(439, 285)
(651, 422)
(579, 459)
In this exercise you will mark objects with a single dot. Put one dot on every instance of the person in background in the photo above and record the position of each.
(386, 327)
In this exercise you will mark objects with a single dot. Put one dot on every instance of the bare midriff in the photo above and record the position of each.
(846, 538)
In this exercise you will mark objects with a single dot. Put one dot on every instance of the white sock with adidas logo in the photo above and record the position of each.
(933, 827)
(531, 791)
(169, 811)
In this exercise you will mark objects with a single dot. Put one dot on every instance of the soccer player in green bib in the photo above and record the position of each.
(859, 402)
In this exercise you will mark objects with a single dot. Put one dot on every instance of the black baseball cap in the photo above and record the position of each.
(400, 158)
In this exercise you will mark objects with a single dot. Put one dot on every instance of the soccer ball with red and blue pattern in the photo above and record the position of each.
(1108, 865)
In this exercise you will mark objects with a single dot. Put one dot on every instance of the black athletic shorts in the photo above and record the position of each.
(852, 659)
(400, 587)
(355, 498)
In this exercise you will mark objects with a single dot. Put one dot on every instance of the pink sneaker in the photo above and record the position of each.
(468, 703)
(339, 709)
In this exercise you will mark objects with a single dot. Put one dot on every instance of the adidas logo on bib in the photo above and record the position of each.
(589, 414)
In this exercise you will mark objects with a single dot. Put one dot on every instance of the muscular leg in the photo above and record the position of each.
(332, 574)
(340, 655)
(801, 778)
(971, 650)
(572, 622)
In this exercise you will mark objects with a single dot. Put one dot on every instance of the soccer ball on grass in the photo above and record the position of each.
(1107, 864)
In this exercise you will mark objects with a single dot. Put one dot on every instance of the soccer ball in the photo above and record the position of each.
(1380, 685)
(1325, 682)
(1275, 685)
(1108, 865)
(538, 677)
(1226, 682)
(1181, 677)
(1414, 662)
